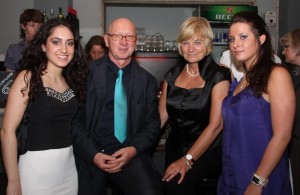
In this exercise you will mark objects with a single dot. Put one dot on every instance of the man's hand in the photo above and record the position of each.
(121, 158)
(100, 160)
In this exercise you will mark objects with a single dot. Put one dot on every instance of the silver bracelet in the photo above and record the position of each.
(257, 180)
(187, 162)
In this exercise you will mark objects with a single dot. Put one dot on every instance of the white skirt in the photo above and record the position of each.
(48, 172)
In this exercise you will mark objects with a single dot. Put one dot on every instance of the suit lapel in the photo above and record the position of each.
(132, 84)
(130, 96)
(101, 82)
(97, 104)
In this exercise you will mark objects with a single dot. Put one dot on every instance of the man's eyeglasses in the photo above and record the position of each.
(118, 37)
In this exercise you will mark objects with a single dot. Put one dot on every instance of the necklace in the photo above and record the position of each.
(192, 75)
(242, 84)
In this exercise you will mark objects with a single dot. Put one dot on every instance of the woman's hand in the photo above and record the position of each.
(253, 189)
(13, 188)
(177, 167)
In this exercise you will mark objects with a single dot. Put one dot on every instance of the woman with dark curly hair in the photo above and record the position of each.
(51, 80)
(95, 48)
(258, 114)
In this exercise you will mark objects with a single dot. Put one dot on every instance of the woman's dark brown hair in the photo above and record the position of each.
(259, 73)
(94, 40)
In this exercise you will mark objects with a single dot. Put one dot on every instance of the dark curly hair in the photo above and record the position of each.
(34, 61)
(29, 15)
(259, 73)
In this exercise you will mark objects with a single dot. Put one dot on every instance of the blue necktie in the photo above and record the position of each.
(120, 109)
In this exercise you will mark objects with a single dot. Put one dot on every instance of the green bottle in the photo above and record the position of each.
(60, 14)
(45, 17)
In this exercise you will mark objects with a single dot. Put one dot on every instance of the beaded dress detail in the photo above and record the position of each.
(64, 97)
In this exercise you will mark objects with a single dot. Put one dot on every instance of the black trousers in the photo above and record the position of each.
(137, 177)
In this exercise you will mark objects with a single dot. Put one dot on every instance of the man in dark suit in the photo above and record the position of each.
(100, 155)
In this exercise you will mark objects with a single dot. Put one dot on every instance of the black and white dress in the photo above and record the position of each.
(48, 168)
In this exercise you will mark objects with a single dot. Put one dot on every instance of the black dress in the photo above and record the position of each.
(189, 111)
(48, 168)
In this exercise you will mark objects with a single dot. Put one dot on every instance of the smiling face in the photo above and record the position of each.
(120, 51)
(244, 44)
(193, 50)
(59, 47)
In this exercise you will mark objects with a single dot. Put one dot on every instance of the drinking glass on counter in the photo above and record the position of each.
(153, 43)
(167, 45)
(174, 45)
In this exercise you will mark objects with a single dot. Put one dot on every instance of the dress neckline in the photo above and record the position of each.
(189, 90)
(65, 91)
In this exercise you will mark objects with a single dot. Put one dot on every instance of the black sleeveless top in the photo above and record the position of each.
(189, 109)
(51, 114)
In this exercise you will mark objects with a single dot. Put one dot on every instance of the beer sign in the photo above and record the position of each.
(223, 13)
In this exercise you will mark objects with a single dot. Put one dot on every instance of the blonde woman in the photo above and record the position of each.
(191, 100)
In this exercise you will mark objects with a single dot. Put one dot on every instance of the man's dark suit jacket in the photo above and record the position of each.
(143, 123)
(294, 147)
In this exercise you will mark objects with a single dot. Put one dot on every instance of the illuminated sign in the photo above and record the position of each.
(223, 13)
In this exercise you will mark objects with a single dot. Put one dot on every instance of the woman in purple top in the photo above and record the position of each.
(258, 115)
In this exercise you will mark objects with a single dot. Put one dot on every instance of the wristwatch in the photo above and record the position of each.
(189, 157)
(257, 180)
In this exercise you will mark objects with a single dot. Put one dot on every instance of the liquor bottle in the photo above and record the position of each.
(51, 13)
(45, 17)
(60, 14)
(72, 17)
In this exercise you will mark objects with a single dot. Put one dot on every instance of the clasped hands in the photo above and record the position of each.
(177, 167)
(115, 162)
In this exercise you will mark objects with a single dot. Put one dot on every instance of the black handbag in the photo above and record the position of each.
(22, 132)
